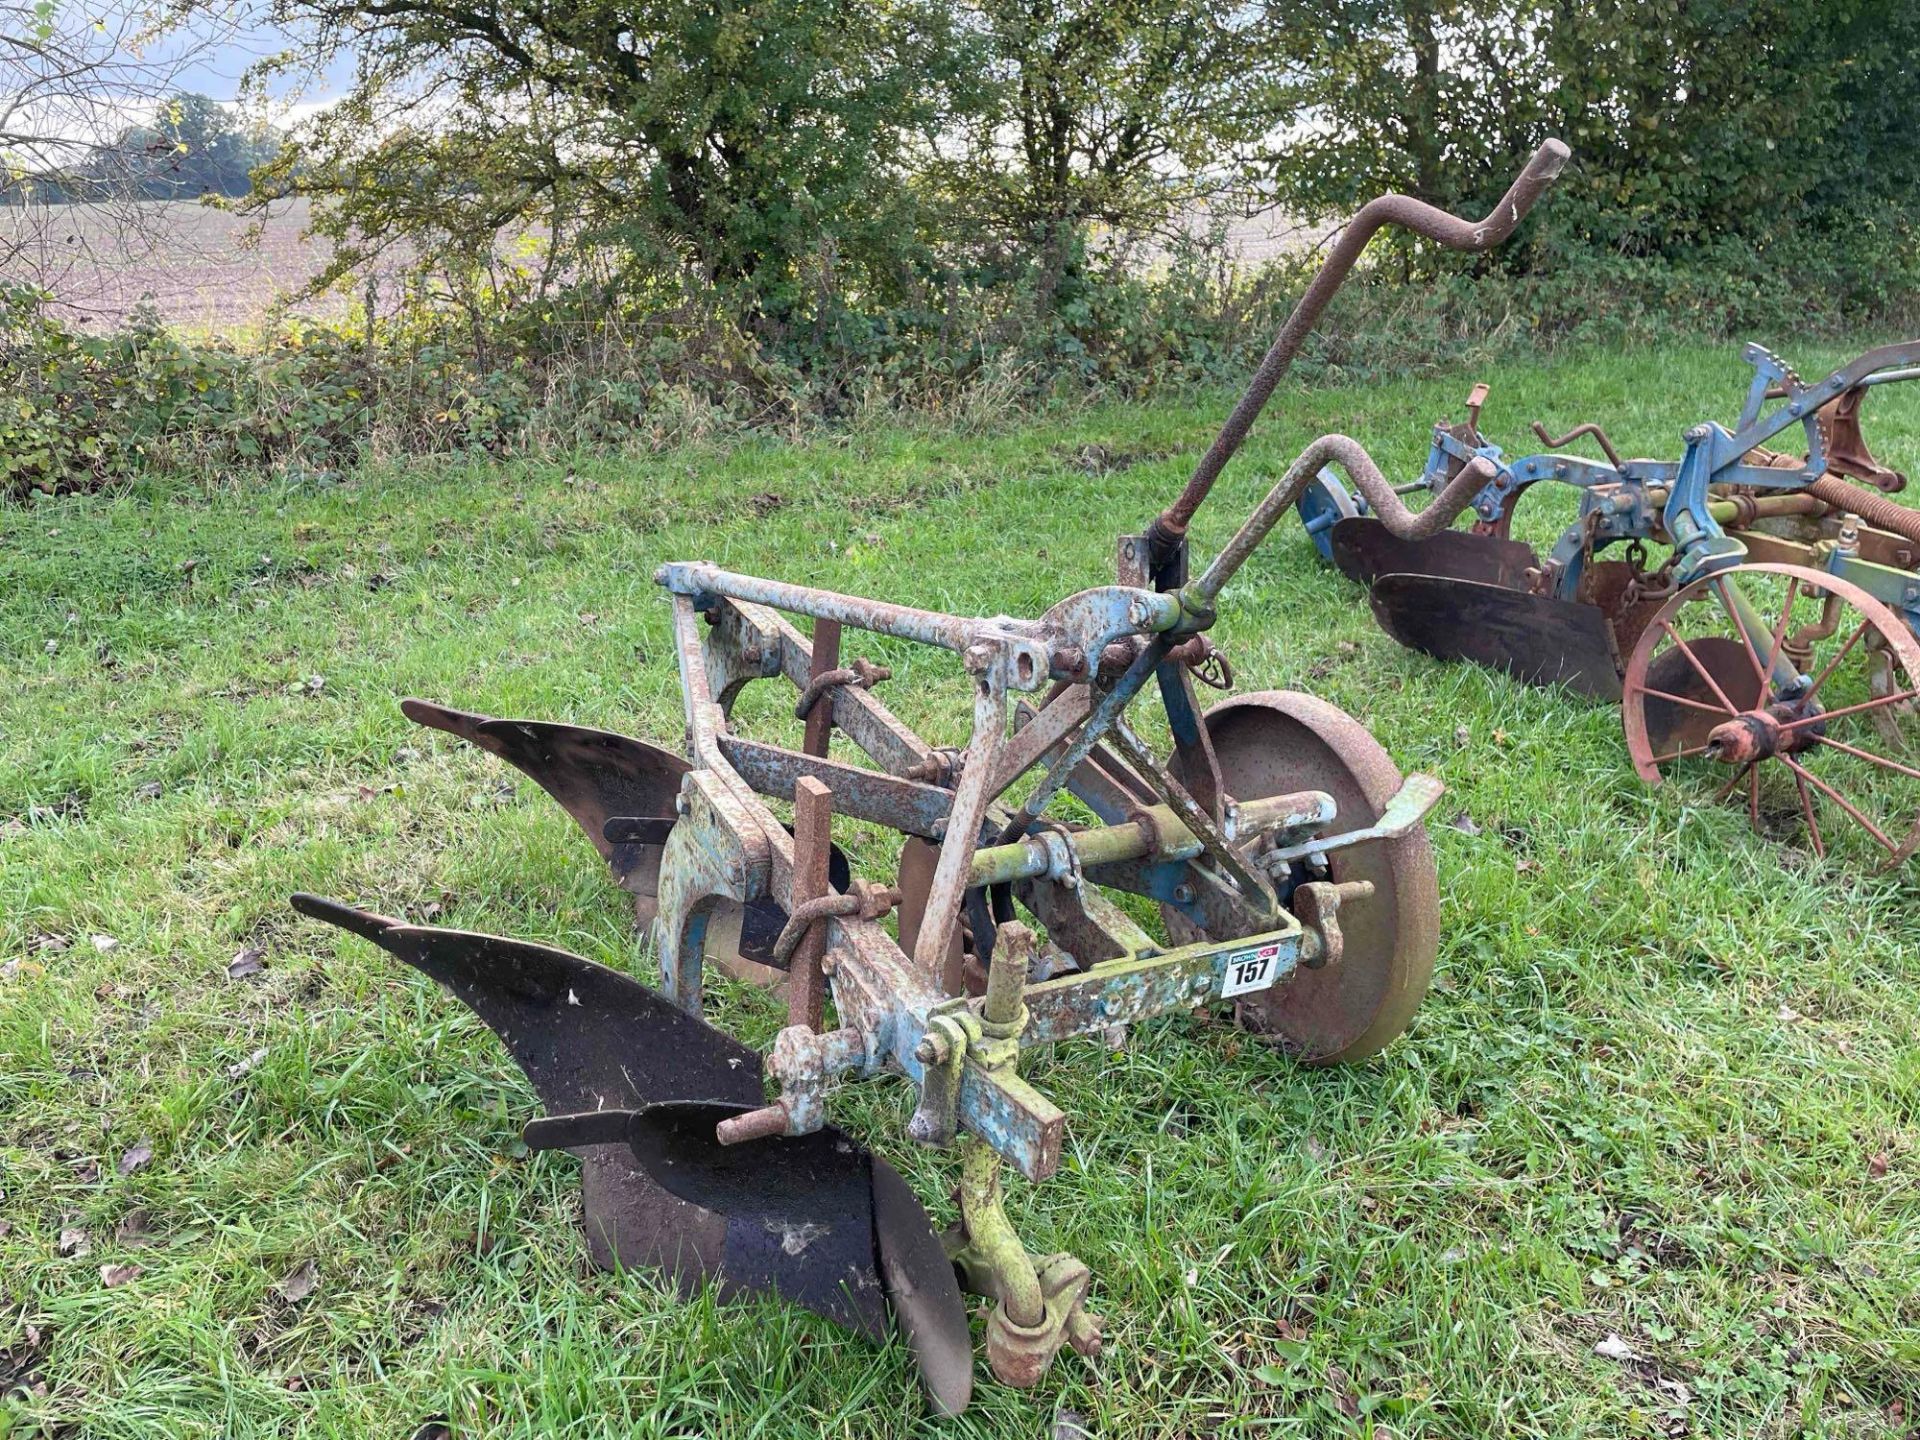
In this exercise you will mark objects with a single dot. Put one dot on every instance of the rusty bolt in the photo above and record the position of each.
(932, 1049)
(1084, 1333)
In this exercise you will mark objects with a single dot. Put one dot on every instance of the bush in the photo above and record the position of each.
(85, 410)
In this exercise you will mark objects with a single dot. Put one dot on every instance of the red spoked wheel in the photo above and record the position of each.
(1793, 685)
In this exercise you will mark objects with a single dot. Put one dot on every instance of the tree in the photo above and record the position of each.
(193, 146)
(1116, 111)
(756, 145)
(1694, 123)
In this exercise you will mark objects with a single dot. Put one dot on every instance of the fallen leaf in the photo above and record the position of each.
(1525, 867)
(149, 791)
(1340, 1385)
(240, 1069)
(1614, 1348)
(1462, 736)
(1877, 1166)
(1788, 1014)
(301, 1282)
(1069, 1425)
(250, 961)
(134, 1230)
(73, 1244)
(1463, 822)
(104, 943)
(112, 1275)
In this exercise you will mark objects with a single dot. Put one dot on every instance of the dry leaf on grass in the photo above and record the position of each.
(301, 1282)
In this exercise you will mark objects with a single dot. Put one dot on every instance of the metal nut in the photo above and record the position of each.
(932, 1049)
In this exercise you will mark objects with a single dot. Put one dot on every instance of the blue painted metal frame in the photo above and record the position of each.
(1646, 499)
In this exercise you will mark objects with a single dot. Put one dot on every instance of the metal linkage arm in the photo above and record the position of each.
(1063, 645)
(1884, 365)
(1403, 210)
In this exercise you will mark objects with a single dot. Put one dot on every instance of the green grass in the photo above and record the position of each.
(1665, 1085)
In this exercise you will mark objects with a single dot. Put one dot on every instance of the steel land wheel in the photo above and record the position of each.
(1274, 742)
(1833, 747)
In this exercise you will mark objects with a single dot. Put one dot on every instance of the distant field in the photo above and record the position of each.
(203, 268)
(208, 270)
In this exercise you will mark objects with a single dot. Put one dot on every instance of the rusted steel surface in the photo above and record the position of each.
(1782, 671)
(1364, 550)
(824, 663)
(1730, 512)
(1874, 509)
(1847, 452)
(905, 805)
(812, 844)
(1039, 732)
(1536, 638)
(1561, 442)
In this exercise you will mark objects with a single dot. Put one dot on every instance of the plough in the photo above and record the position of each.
(1284, 853)
(1780, 633)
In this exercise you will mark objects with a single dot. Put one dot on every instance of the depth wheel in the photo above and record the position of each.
(1276, 742)
(1323, 504)
(1783, 679)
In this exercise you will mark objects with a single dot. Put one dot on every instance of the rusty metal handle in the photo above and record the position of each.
(1408, 213)
(1590, 428)
(1351, 456)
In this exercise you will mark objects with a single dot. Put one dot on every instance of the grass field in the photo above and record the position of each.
(1664, 1090)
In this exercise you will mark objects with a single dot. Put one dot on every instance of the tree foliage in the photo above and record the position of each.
(192, 146)
(743, 143)
(1114, 111)
(1695, 124)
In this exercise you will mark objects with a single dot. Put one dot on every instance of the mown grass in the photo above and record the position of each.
(1665, 1086)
